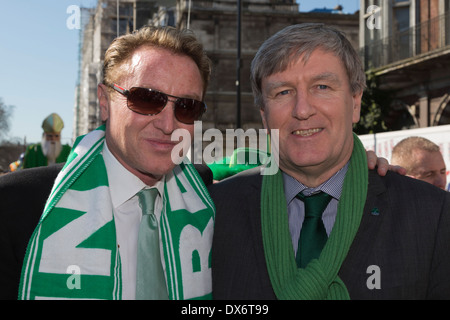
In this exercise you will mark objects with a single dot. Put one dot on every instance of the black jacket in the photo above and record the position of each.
(405, 231)
(22, 199)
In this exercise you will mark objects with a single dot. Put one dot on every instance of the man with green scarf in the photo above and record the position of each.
(377, 238)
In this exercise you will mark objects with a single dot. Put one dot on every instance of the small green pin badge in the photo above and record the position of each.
(375, 212)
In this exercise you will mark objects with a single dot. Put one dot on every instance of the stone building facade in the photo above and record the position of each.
(215, 22)
(406, 44)
(100, 26)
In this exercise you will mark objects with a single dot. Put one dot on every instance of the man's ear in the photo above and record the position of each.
(263, 118)
(357, 97)
(103, 100)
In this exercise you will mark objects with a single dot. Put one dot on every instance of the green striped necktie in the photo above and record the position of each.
(150, 280)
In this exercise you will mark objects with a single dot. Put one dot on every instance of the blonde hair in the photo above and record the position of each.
(402, 152)
(181, 42)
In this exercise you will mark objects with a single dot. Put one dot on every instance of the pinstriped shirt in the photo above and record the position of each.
(296, 208)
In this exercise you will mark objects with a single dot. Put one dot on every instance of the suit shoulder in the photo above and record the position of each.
(30, 178)
(239, 184)
(412, 186)
(407, 192)
(205, 173)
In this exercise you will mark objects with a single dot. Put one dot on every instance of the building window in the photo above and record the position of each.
(401, 16)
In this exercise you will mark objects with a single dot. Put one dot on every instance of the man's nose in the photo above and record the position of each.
(303, 108)
(441, 181)
(165, 120)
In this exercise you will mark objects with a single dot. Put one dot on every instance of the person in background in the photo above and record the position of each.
(422, 160)
(50, 150)
(17, 165)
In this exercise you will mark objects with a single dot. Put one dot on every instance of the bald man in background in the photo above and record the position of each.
(422, 160)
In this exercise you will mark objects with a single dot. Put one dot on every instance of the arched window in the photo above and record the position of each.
(443, 112)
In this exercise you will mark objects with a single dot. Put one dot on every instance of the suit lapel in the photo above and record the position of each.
(354, 270)
(254, 209)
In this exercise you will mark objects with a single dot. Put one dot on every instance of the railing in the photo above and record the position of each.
(428, 36)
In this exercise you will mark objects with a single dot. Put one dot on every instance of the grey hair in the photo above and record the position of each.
(290, 43)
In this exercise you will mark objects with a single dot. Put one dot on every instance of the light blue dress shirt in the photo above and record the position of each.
(296, 208)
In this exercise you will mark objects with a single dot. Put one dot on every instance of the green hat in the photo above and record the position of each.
(53, 123)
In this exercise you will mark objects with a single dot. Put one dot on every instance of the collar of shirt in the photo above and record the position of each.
(122, 183)
(332, 186)
(295, 206)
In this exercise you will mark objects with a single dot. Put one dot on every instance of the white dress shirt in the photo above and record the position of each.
(123, 186)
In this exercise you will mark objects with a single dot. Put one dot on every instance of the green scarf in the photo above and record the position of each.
(319, 280)
(73, 253)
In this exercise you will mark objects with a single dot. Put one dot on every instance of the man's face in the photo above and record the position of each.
(52, 136)
(314, 109)
(51, 145)
(141, 143)
(430, 167)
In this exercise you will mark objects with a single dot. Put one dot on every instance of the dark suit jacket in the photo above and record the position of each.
(22, 199)
(409, 240)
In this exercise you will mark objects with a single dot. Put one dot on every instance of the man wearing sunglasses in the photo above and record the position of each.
(122, 220)
(87, 244)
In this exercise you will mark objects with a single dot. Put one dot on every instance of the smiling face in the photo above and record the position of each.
(142, 144)
(313, 107)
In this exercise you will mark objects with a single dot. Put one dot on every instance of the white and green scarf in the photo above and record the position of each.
(73, 253)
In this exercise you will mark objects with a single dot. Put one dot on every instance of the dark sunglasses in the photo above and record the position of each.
(147, 101)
